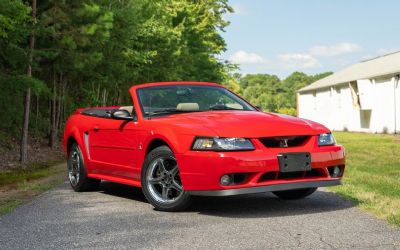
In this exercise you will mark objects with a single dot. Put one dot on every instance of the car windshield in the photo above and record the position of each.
(164, 100)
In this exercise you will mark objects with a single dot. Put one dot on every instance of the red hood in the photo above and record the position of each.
(249, 124)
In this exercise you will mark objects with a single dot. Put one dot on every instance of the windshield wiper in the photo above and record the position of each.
(221, 107)
(168, 111)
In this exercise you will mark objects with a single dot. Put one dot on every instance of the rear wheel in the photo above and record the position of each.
(294, 194)
(77, 173)
(161, 182)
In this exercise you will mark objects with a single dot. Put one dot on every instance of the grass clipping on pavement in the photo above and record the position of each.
(372, 176)
(18, 186)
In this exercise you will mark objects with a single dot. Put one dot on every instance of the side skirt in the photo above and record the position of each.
(116, 179)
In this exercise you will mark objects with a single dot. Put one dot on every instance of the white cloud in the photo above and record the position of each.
(298, 61)
(243, 57)
(295, 61)
(335, 49)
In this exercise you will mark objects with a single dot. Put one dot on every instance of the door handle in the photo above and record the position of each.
(96, 128)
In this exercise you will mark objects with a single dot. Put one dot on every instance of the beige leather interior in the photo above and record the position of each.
(234, 105)
(128, 108)
(186, 106)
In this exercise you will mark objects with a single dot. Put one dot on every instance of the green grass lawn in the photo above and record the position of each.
(372, 177)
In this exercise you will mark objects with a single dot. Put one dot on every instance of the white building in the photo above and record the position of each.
(364, 97)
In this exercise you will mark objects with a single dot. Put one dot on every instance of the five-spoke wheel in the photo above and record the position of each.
(161, 181)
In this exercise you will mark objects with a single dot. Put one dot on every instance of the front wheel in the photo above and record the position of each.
(161, 182)
(295, 193)
(77, 173)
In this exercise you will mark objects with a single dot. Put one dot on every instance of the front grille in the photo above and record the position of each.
(284, 141)
(273, 175)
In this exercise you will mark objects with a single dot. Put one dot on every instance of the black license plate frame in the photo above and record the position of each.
(294, 162)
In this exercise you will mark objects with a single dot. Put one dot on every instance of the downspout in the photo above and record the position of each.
(297, 104)
(396, 83)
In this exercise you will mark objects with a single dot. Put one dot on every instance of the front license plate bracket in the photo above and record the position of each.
(294, 162)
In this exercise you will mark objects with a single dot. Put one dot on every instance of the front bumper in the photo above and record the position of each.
(201, 171)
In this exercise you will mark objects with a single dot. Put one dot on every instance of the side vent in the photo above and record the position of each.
(86, 141)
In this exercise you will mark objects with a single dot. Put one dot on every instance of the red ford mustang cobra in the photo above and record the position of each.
(182, 139)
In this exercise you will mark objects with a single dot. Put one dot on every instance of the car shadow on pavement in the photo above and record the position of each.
(268, 205)
(122, 191)
(244, 206)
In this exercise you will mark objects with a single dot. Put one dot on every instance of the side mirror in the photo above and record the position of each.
(122, 114)
(259, 108)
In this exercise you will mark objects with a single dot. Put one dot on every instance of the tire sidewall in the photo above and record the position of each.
(183, 202)
(82, 171)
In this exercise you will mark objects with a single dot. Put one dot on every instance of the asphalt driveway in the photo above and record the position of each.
(118, 217)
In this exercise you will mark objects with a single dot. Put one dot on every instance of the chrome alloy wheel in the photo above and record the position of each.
(163, 180)
(74, 166)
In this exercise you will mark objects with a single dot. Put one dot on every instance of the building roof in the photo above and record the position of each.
(379, 66)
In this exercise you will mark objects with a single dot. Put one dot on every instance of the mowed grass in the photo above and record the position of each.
(372, 177)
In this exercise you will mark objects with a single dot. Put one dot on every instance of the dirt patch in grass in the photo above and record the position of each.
(27, 185)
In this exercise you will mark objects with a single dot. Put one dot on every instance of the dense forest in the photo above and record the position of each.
(57, 55)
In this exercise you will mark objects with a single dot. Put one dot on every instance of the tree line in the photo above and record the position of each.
(57, 55)
(270, 92)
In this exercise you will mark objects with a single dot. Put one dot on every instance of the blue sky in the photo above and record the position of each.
(312, 36)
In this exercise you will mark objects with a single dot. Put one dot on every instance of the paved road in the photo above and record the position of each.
(118, 217)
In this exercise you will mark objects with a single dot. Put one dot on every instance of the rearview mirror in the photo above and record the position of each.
(122, 114)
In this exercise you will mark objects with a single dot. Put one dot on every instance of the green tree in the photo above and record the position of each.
(16, 61)
(273, 94)
(88, 53)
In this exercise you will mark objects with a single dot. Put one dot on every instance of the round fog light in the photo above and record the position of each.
(226, 180)
(336, 172)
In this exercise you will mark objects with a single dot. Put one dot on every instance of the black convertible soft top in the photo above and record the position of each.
(99, 112)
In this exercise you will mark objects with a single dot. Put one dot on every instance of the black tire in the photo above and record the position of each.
(295, 193)
(151, 190)
(76, 168)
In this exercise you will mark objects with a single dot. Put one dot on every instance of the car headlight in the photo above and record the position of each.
(326, 140)
(222, 144)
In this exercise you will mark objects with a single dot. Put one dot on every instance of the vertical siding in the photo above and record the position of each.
(382, 117)
(335, 107)
(397, 89)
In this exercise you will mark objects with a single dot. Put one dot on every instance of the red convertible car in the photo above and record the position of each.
(184, 139)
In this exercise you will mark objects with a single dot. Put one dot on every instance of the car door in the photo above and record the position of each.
(113, 146)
